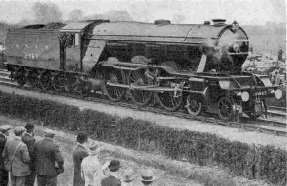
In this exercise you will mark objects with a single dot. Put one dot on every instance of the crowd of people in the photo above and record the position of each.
(26, 161)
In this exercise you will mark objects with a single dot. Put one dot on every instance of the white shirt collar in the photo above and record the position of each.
(115, 174)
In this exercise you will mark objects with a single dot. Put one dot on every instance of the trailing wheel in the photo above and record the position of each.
(138, 78)
(226, 108)
(114, 76)
(193, 106)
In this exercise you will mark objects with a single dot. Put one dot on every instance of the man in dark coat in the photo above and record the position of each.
(29, 139)
(4, 174)
(48, 160)
(113, 179)
(16, 152)
(80, 152)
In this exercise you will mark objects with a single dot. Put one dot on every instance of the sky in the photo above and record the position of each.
(254, 12)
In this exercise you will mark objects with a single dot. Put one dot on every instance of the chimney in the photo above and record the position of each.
(218, 21)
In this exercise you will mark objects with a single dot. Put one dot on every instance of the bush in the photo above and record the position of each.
(261, 162)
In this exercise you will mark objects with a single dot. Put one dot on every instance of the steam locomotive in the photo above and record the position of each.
(189, 66)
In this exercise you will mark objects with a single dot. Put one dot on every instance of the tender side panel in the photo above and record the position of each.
(39, 50)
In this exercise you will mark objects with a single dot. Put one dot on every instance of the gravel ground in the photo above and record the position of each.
(234, 134)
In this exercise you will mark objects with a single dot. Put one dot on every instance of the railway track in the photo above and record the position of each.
(268, 126)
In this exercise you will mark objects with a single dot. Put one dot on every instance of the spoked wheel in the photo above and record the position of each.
(34, 79)
(45, 81)
(58, 82)
(168, 100)
(226, 108)
(138, 78)
(20, 78)
(113, 92)
(193, 106)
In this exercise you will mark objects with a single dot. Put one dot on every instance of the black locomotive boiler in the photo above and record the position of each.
(192, 66)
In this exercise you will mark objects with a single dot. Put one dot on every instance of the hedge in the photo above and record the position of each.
(254, 162)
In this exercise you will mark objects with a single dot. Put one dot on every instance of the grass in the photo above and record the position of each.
(168, 172)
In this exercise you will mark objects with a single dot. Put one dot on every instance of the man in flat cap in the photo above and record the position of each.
(16, 157)
(49, 162)
(29, 139)
(4, 174)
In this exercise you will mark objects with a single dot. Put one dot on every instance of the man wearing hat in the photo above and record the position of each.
(29, 139)
(91, 170)
(49, 162)
(79, 153)
(128, 178)
(4, 174)
(147, 177)
(113, 179)
(16, 157)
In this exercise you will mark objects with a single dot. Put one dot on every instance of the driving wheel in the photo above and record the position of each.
(138, 78)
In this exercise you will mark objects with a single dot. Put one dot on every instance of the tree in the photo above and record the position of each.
(76, 15)
(47, 12)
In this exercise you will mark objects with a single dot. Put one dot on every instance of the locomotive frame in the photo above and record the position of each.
(197, 67)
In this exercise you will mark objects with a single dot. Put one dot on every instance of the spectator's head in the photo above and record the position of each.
(5, 129)
(30, 127)
(94, 148)
(114, 165)
(49, 133)
(18, 131)
(147, 177)
(82, 137)
(128, 175)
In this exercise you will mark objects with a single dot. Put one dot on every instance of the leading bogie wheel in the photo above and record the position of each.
(193, 106)
(226, 108)
(138, 78)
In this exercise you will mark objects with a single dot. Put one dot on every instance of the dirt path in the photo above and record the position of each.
(168, 172)
(234, 134)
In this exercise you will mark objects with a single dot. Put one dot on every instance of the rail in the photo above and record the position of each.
(260, 125)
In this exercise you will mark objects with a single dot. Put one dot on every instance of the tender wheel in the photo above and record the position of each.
(20, 78)
(194, 107)
(58, 82)
(138, 78)
(45, 81)
(114, 76)
(226, 108)
(34, 79)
